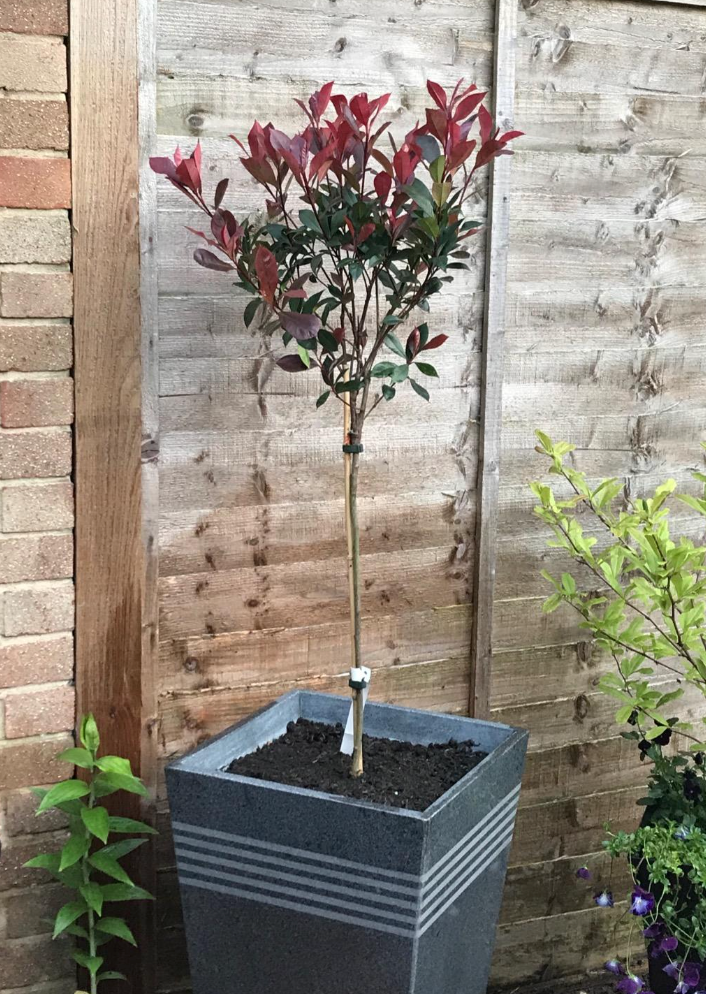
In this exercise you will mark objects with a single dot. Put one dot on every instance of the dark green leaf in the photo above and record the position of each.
(111, 975)
(125, 892)
(89, 733)
(109, 866)
(77, 757)
(323, 398)
(426, 368)
(45, 861)
(309, 220)
(394, 344)
(108, 783)
(97, 822)
(66, 791)
(382, 369)
(118, 824)
(328, 341)
(77, 931)
(391, 319)
(119, 849)
(399, 374)
(388, 392)
(251, 311)
(92, 894)
(76, 847)
(67, 916)
(118, 927)
(418, 388)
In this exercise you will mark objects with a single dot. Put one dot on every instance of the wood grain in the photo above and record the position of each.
(110, 563)
(491, 400)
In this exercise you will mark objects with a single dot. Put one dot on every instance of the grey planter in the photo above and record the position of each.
(291, 891)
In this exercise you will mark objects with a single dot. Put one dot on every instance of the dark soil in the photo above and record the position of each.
(399, 774)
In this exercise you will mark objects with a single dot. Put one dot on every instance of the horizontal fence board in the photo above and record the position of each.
(277, 655)
(187, 719)
(288, 595)
(590, 122)
(232, 538)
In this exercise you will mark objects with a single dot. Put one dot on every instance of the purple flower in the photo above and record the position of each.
(672, 970)
(667, 944)
(614, 966)
(604, 899)
(583, 873)
(642, 902)
(630, 985)
(691, 975)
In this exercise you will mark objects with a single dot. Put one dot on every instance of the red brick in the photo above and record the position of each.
(24, 764)
(36, 660)
(41, 17)
(36, 403)
(35, 65)
(39, 610)
(36, 507)
(29, 348)
(42, 183)
(33, 960)
(34, 123)
(31, 912)
(21, 818)
(34, 236)
(39, 712)
(36, 295)
(43, 452)
(36, 557)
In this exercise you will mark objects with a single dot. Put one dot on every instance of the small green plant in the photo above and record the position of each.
(88, 863)
(645, 597)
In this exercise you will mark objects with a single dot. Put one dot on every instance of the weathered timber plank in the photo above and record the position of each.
(542, 319)
(278, 655)
(640, 255)
(197, 327)
(296, 593)
(188, 719)
(546, 948)
(491, 399)
(593, 122)
(232, 538)
(543, 890)
(573, 826)
(632, 23)
(589, 188)
(211, 469)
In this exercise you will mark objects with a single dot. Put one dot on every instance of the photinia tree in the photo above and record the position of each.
(353, 243)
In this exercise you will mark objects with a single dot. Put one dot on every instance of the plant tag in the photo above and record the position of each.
(359, 675)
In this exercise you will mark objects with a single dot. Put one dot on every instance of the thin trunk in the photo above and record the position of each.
(353, 540)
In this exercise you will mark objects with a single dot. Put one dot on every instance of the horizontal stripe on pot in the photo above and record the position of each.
(340, 889)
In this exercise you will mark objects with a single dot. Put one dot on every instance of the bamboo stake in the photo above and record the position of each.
(350, 474)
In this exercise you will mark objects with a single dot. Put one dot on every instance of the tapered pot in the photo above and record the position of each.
(292, 891)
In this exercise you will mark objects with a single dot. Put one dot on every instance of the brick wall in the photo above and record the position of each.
(36, 498)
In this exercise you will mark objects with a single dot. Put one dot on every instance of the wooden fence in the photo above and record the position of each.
(582, 314)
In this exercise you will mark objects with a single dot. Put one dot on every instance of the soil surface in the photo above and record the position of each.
(399, 774)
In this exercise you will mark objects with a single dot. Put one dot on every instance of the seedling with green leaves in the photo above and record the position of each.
(643, 595)
(89, 863)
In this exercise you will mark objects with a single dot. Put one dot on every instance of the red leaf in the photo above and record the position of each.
(291, 294)
(437, 93)
(266, 270)
(365, 232)
(162, 165)
(291, 363)
(468, 105)
(412, 346)
(460, 153)
(382, 184)
(435, 342)
(210, 261)
(437, 123)
(220, 192)
(300, 326)
(486, 123)
(261, 171)
(339, 334)
(509, 135)
(383, 160)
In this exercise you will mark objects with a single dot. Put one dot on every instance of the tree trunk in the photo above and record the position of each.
(353, 539)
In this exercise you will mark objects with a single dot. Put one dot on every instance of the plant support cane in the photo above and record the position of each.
(359, 677)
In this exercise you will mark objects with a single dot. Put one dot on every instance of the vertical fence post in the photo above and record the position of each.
(503, 97)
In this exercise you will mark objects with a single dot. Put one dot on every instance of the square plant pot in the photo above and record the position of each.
(292, 891)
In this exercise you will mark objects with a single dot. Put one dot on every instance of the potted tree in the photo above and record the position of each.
(289, 860)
